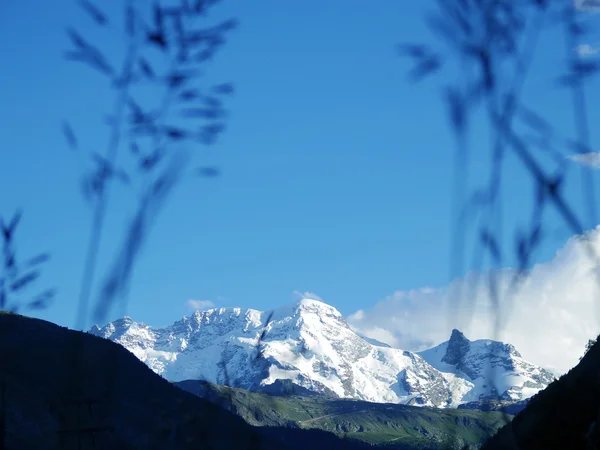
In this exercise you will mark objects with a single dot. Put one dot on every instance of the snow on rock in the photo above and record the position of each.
(495, 369)
(311, 345)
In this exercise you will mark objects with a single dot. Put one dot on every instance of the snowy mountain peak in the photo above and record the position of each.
(320, 310)
(124, 322)
(458, 346)
(308, 344)
(495, 368)
(315, 306)
(307, 306)
(457, 335)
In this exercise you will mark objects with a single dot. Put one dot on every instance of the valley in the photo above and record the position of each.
(381, 424)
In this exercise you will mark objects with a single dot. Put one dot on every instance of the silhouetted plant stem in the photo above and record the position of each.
(496, 41)
(580, 115)
(183, 49)
(91, 258)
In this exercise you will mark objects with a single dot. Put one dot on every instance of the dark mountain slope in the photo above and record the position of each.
(63, 389)
(565, 415)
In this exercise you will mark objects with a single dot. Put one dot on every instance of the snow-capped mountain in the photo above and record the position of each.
(494, 368)
(308, 344)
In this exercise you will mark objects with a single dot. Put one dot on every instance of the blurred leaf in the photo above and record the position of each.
(212, 101)
(158, 39)
(39, 259)
(586, 67)
(138, 116)
(130, 21)
(98, 16)
(8, 230)
(490, 242)
(122, 176)
(10, 261)
(175, 133)
(536, 235)
(554, 184)
(149, 162)
(206, 113)
(579, 71)
(103, 164)
(92, 58)
(125, 79)
(416, 51)
(77, 40)
(176, 79)
(205, 55)
(209, 172)
(209, 133)
(534, 121)
(424, 68)
(189, 94)
(228, 25)
(578, 147)
(42, 300)
(158, 16)
(489, 77)
(456, 14)
(457, 109)
(146, 68)
(134, 149)
(223, 89)
(69, 135)
(24, 281)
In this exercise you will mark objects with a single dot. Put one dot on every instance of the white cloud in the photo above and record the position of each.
(306, 295)
(584, 50)
(591, 159)
(357, 316)
(549, 319)
(199, 304)
(587, 5)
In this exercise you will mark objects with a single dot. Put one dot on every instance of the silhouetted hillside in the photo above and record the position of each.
(565, 415)
(108, 399)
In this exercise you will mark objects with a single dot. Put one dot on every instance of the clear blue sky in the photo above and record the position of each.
(337, 172)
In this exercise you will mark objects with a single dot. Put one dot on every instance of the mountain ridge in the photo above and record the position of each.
(477, 361)
(310, 344)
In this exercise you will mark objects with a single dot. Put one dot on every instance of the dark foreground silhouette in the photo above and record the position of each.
(565, 415)
(64, 389)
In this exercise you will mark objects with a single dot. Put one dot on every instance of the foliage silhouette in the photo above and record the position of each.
(158, 135)
(492, 44)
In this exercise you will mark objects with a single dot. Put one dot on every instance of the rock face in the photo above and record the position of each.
(495, 369)
(305, 347)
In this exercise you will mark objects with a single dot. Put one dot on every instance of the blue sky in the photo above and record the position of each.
(337, 172)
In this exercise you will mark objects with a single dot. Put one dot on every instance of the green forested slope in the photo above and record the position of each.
(377, 423)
